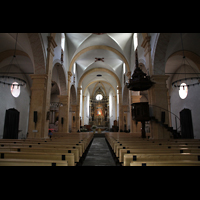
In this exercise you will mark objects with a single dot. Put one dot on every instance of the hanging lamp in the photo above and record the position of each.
(11, 80)
(139, 80)
(187, 79)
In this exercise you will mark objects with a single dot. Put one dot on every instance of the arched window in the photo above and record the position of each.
(99, 97)
(135, 41)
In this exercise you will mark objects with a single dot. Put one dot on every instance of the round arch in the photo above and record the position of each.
(62, 78)
(99, 69)
(101, 82)
(38, 52)
(99, 47)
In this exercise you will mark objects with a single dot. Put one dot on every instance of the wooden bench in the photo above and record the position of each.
(128, 158)
(69, 157)
(154, 145)
(117, 152)
(50, 146)
(124, 152)
(166, 163)
(70, 148)
(31, 162)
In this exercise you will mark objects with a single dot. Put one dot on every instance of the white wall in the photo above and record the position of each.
(191, 102)
(20, 103)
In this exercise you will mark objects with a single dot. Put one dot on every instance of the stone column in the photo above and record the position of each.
(125, 119)
(74, 108)
(78, 109)
(134, 98)
(158, 98)
(120, 109)
(63, 99)
(37, 103)
(115, 97)
(83, 102)
(68, 99)
(40, 96)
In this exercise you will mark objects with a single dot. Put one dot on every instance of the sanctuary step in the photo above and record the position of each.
(99, 154)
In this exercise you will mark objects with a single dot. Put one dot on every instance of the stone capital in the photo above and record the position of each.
(39, 81)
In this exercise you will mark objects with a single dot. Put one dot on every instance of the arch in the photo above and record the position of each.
(99, 47)
(160, 53)
(38, 53)
(99, 69)
(62, 78)
(96, 86)
(100, 81)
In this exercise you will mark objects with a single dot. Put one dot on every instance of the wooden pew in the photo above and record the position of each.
(124, 152)
(68, 157)
(128, 158)
(166, 163)
(31, 162)
(70, 147)
(44, 150)
(51, 146)
(164, 147)
(121, 143)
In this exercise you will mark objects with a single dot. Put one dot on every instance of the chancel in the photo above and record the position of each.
(99, 99)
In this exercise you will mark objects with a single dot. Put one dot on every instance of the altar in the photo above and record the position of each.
(99, 111)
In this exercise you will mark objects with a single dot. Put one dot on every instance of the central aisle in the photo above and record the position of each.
(99, 154)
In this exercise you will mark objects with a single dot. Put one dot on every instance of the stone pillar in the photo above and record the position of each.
(169, 108)
(63, 99)
(78, 108)
(40, 96)
(73, 127)
(37, 103)
(83, 102)
(120, 109)
(115, 97)
(68, 99)
(147, 53)
(134, 98)
(125, 117)
(158, 98)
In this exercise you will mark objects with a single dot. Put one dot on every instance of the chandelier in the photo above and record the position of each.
(11, 80)
(188, 79)
(139, 80)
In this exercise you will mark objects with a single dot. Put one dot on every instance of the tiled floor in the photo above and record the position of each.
(99, 154)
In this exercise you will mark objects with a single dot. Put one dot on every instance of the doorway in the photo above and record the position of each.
(11, 124)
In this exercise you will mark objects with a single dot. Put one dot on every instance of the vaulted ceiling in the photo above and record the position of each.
(122, 42)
